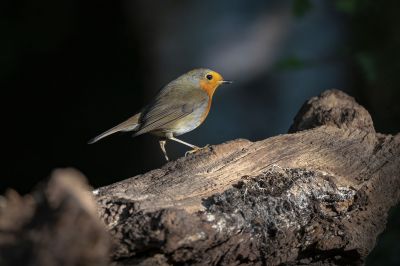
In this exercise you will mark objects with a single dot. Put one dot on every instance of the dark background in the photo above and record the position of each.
(72, 69)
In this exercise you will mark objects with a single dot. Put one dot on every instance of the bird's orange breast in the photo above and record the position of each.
(209, 86)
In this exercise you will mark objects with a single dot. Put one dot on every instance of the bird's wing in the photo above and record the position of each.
(169, 108)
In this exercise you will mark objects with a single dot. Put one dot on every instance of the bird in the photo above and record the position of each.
(179, 107)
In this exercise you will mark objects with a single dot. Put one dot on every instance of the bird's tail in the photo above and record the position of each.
(128, 125)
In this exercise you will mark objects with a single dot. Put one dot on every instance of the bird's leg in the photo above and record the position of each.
(194, 148)
(162, 145)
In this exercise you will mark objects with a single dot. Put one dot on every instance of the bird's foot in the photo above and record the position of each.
(196, 149)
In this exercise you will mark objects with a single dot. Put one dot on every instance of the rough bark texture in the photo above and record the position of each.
(319, 195)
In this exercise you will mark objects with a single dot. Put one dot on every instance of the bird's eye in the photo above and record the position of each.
(209, 77)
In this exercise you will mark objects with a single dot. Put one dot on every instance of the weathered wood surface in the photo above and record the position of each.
(319, 195)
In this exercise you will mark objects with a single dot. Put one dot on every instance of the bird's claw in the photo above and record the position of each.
(196, 150)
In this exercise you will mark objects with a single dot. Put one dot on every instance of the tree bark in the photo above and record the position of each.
(319, 195)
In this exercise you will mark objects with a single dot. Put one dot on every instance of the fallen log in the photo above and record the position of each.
(318, 195)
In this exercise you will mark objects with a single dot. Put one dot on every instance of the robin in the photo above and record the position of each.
(181, 106)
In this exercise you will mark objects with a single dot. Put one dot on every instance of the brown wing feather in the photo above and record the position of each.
(170, 107)
(164, 120)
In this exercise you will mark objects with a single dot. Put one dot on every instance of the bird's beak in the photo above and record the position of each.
(226, 82)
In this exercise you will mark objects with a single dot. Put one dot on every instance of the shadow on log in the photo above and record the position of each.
(319, 195)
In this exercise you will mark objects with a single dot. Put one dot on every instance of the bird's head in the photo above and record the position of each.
(208, 80)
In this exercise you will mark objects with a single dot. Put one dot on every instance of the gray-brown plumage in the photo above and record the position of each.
(179, 107)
